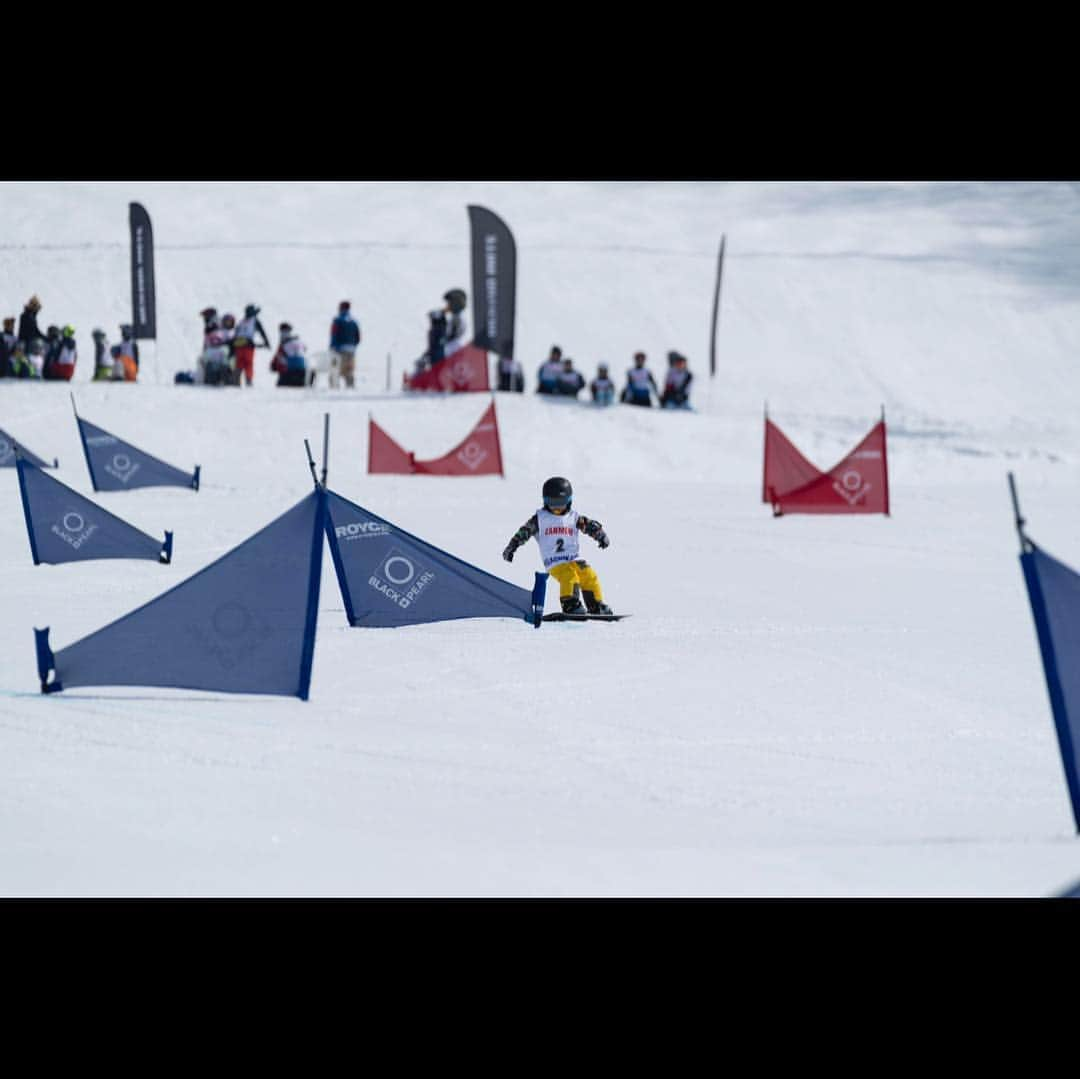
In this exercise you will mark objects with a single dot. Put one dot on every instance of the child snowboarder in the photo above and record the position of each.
(555, 526)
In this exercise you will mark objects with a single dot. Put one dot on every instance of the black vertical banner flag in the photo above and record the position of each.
(142, 273)
(494, 281)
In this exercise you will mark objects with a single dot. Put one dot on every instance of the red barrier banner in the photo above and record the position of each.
(465, 371)
(478, 454)
(858, 484)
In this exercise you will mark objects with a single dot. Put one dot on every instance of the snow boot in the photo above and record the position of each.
(572, 604)
(594, 606)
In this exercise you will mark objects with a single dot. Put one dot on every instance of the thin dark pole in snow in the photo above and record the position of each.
(716, 309)
(311, 464)
(325, 445)
(1026, 546)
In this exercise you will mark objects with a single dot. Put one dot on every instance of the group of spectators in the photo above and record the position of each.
(29, 353)
(228, 352)
(557, 376)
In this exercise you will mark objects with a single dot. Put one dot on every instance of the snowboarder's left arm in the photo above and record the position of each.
(594, 529)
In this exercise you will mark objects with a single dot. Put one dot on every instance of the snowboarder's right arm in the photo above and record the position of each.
(529, 529)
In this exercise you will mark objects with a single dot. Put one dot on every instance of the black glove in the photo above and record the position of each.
(603, 541)
(508, 554)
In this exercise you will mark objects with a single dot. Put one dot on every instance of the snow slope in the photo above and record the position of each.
(798, 707)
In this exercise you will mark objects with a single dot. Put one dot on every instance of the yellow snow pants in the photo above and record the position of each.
(571, 574)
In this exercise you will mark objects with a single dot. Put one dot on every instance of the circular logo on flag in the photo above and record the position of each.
(851, 480)
(401, 565)
(122, 462)
(73, 522)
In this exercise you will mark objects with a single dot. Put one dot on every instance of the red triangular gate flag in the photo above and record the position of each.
(858, 484)
(478, 454)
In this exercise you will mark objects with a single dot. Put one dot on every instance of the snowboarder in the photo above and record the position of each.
(555, 526)
(677, 384)
(570, 382)
(62, 364)
(288, 361)
(639, 381)
(601, 387)
(244, 343)
(548, 375)
(130, 348)
(511, 375)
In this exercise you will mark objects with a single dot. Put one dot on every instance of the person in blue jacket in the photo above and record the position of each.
(344, 339)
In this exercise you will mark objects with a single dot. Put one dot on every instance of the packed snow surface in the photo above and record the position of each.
(800, 706)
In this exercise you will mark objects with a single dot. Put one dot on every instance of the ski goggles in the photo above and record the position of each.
(556, 504)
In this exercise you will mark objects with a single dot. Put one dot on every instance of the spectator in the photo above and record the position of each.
(344, 338)
(456, 324)
(570, 381)
(601, 387)
(228, 332)
(288, 361)
(7, 346)
(124, 369)
(62, 365)
(510, 374)
(550, 369)
(214, 360)
(103, 365)
(52, 350)
(640, 384)
(19, 362)
(28, 327)
(244, 344)
(436, 341)
(677, 384)
(36, 358)
(129, 346)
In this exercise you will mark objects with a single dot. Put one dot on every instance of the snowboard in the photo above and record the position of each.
(558, 616)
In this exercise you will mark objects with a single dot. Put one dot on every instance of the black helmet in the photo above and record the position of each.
(53, 331)
(457, 299)
(285, 327)
(251, 311)
(557, 495)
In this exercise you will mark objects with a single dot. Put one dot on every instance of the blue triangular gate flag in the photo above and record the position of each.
(116, 465)
(244, 624)
(66, 527)
(7, 453)
(391, 578)
(1054, 592)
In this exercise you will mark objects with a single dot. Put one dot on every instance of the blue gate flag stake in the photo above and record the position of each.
(116, 465)
(1054, 593)
(66, 527)
(9, 445)
(244, 624)
(391, 578)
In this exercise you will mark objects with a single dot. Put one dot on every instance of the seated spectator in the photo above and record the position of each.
(570, 381)
(601, 387)
(52, 350)
(62, 366)
(549, 372)
(677, 384)
(640, 384)
(19, 364)
(511, 376)
(7, 347)
(103, 364)
(35, 358)
(288, 361)
(124, 369)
